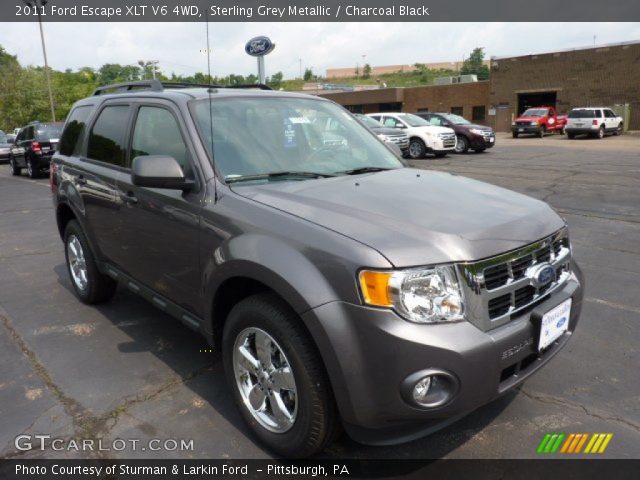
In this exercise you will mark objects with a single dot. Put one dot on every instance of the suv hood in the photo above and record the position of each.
(528, 119)
(414, 217)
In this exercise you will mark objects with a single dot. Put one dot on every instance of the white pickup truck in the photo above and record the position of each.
(423, 137)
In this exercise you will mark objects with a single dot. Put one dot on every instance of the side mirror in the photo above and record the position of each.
(400, 125)
(159, 171)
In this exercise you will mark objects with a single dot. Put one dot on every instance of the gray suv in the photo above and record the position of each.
(344, 289)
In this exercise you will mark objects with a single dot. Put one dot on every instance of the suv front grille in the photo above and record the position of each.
(498, 287)
(448, 139)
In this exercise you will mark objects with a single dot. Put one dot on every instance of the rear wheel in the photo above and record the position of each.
(32, 171)
(462, 144)
(15, 170)
(514, 134)
(601, 132)
(417, 148)
(89, 284)
(277, 377)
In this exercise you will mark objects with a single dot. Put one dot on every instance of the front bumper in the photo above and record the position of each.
(369, 352)
(530, 129)
(482, 141)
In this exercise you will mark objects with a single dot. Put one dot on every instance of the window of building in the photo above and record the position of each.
(478, 113)
(107, 136)
(423, 110)
(457, 110)
(73, 129)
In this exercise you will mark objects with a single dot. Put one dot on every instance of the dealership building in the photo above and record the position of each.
(606, 75)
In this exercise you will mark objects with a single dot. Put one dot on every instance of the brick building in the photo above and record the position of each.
(608, 75)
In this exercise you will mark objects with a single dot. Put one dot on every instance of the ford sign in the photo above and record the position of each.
(541, 275)
(259, 46)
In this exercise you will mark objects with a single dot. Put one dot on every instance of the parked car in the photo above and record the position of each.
(5, 145)
(386, 134)
(593, 121)
(340, 286)
(468, 135)
(423, 137)
(34, 147)
(539, 121)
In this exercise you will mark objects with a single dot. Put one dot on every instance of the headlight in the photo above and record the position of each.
(477, 131)
(384, 138)
(421, 295)
(513, 124)
(534, 123)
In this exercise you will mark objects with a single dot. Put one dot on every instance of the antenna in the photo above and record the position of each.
(213, 157)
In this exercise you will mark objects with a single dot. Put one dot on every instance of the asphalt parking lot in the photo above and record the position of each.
(126, 370)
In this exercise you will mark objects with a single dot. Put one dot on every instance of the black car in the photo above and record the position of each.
(386, 134)
(341, 287)
(468, 135)
(5, 146)
(33, 148)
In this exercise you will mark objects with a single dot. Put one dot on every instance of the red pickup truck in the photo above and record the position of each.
(539, 121)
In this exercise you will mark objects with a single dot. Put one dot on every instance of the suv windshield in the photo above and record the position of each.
(368, 121)
(413, 120)
(261, 136)
(535, 112)
(582, 114)
(456, 119)
(49, 131)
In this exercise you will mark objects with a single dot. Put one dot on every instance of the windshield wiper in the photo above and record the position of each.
(357, 171)
(267, 176)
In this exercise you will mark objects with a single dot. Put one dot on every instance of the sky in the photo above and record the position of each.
(178, 46)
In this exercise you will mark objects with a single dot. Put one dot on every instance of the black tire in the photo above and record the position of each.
(317, 422)
(417, 149)
(100, 288)
(15, 170)
(619, 130)
(600, 134)
(31, 170)
(462, 144)
(542, 132)
(571, 136)
(514, 134)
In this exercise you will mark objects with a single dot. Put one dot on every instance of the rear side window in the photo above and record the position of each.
(73, 129)
(107, 136)
(157, 133)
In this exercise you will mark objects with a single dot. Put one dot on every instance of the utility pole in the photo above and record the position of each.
(39, 6)
(300, 60)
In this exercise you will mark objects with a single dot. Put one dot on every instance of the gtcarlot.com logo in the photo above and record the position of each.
(573, 443)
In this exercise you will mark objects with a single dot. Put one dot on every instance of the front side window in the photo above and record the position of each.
(73, 129)
(261, 136)
(157, 132)
(435, 120)
(107, 135)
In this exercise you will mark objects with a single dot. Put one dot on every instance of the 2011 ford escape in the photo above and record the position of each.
(342, 287)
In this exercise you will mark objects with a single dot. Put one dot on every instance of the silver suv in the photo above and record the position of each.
(593, 121)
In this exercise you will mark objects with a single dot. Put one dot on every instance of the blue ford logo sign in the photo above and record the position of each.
(259, 46)
(542, 275)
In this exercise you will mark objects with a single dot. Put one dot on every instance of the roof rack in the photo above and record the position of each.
(158, 86)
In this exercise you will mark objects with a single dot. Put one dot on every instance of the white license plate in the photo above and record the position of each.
(579, 124)
(491, 140)
(521, 129)
(554, 323)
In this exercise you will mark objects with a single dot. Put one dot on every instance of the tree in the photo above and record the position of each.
(308, 74)
(366, 71)
(474, 65)
(275, 80)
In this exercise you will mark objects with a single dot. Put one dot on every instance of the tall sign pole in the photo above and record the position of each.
(259, 47)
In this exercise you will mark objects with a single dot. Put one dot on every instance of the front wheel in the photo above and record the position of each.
(462, 144)
(619, 129)
(15, 170)
(542, 132)
(89, 284)
(277, 377)
(417, 148)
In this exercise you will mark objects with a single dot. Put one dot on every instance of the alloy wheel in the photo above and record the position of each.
(77, 263)
(265, 380)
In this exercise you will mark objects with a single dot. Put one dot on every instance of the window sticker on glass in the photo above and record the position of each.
(299, 120)
(289, 133)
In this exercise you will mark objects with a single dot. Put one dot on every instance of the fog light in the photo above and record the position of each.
(429, 388)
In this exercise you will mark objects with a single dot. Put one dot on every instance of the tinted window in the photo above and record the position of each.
(434, 120)
(157, 133)
(107, 136)
(47, 131)
(582, 114)
(73, 129)
(609, 114)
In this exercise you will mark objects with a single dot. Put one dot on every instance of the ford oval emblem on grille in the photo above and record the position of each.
(541, 275)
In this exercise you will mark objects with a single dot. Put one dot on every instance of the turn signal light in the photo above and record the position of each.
(375, 288)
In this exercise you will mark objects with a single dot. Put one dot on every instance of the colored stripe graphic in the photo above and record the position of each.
(573, 443)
